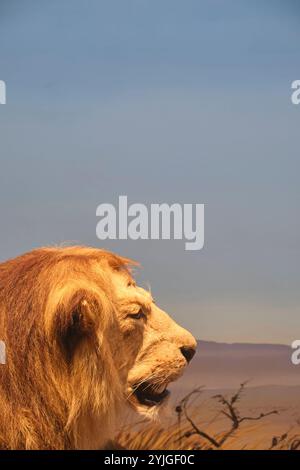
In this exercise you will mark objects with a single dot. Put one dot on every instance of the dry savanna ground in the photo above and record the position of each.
(243, 419)
(263, 413)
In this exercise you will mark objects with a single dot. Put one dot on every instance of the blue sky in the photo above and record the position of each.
(164, 101)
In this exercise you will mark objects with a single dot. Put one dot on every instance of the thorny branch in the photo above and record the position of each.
(229, 410)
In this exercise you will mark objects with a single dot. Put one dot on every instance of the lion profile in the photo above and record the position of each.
(83, 342)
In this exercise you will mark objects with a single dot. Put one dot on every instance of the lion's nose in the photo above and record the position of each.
(187, 352)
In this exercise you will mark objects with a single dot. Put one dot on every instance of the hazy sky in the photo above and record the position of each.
(163, 101)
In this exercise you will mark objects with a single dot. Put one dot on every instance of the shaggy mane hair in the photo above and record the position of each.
(55, 390)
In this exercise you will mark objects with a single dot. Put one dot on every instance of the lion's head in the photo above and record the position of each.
(164, 349)
(82, 341)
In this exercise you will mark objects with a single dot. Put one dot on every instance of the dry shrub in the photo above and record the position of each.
(188, 432)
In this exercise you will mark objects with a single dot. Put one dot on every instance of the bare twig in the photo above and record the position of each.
(229, 410)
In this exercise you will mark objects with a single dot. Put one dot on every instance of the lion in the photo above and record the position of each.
(83, 343)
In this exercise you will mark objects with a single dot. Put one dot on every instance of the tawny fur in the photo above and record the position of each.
(76, 350)
(47, 399)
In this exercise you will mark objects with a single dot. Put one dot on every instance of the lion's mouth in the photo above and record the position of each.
(150, 394)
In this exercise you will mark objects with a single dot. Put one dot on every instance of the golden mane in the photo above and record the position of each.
(83, 343)
(50, 299)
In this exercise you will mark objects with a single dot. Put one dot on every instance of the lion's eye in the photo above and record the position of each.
(137, 316)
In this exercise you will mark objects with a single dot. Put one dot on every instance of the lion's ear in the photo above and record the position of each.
(77, 320)
(77, 314)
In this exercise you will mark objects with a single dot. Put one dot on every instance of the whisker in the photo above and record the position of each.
(159, 380)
